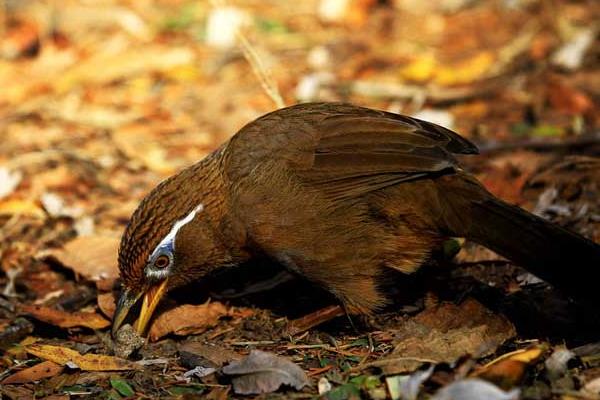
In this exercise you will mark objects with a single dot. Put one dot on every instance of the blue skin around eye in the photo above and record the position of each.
(166, 249)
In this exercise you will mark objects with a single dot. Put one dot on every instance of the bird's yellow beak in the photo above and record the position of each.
(151, 298)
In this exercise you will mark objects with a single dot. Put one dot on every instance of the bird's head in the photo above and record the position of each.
(170, 240)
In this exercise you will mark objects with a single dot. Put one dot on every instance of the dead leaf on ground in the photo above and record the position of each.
(107, 304)
(194, 354)
(92, 257)
(21, 207)
(567, 99)
(262, 372)
(64, 319)
(474, 389)
(121, 65)
(22, 39)
(444, 333)
(191, 319)
(39, 371)
(508, 370)
(87, 362)
(141, 143)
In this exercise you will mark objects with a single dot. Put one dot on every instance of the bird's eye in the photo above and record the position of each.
(162, 261)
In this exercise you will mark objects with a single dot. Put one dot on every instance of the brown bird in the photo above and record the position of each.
(337, 194)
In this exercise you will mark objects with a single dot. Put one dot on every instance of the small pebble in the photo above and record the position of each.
(127, 341)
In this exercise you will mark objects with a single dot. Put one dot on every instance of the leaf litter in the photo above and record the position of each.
(262, 372)
(102, 102)
(73, 359)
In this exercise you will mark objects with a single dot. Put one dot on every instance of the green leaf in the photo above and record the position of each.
(372, 382)
(363, 342)
(520, 129)
(547, 130)
(185, 17)
(367, 382)
(122, 387)
(344, 392)
(358, 380)
(181, 390)
(271, 25)
(323, 362)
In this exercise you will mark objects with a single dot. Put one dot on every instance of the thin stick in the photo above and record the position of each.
(259, 70)
(264, 77)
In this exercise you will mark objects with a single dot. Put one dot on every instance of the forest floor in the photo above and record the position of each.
(100, 101)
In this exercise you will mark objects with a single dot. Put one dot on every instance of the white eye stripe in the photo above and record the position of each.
(169, 240)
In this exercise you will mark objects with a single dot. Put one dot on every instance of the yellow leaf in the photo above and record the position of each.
(183, 73)
(21, 207)
(468, 71)
(87, 362)
(509, 369)
(527, 355)
(65, 319)
(420, 69)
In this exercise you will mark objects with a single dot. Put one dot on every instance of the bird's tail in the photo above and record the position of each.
(568, 261)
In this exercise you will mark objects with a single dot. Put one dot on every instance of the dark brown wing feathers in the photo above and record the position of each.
(348, 151)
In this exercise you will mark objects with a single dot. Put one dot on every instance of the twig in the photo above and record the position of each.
(323, 347)
(387, 361)
(580, 141)
(319, 371)
(250, 54)
(264, 77)
(313, 319)
(254, 343)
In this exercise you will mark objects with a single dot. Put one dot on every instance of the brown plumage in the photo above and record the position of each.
(335, 193)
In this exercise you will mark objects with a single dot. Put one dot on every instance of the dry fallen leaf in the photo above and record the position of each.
(474, 389)
(194, 354)
(122, 64)
(39, 371)
(444, 333)
(87, 362)
(107, 304)
(262, 372)
(141, 143)
(21, 207)
(507, 370)
(192, 319)
(20, 40)
(65, 319)
(92, 257)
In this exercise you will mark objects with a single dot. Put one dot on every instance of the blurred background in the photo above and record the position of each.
(100, 100)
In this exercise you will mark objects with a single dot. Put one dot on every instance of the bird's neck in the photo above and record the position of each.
(208, 187)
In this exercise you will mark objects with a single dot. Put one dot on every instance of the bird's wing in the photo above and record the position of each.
(346, 150)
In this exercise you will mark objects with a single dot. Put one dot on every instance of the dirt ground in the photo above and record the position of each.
(101, 100)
